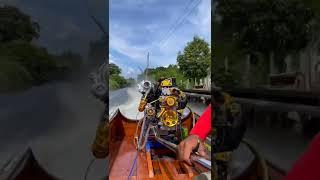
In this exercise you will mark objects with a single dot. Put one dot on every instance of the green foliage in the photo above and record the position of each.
(194, 62)
(24, 64)
(131, 81)
(170, 71)
(113, 84)
(195, 59)
(15, 25)
(13, 76)
(224, 78)
(257, 28)
(313, 4)
(117, 81)
(36, 60)
(114, 69)
(267, 26)
(69, 60)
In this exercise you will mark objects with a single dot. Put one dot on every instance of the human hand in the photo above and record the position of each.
(188, 145)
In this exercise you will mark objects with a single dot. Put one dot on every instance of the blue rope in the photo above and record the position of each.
(133, 165)
(135, 160)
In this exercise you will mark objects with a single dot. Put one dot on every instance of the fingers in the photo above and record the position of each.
(186, 154)
(181, 150)
(184, 151)
(202, 150)
(186, 147)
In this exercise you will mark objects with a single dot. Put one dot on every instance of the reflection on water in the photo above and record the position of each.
(58, 121)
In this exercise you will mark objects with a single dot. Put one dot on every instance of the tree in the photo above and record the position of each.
(131, 81)
(195, 59)
(37, 61)
(166, 72)
(271, 28)
(117, 81)
(15, 25)
(69, 60)
(114, 69)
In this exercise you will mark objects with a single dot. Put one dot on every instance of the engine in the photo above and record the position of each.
(163, 105)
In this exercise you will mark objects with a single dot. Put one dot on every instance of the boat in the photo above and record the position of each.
(156, 162)
(125, 161)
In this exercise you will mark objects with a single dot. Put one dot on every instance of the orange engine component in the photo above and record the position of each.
(142, 105)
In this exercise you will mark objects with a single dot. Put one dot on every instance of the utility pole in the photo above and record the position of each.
(147, 66)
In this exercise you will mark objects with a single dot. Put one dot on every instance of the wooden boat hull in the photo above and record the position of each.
(24, 167)
(123, 154)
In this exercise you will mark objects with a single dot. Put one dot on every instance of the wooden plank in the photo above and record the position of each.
(142, 167)
(171, 167)
(183, 177)
(121, 177)
(178, 167)
(163, 171)
(149, 163)
(124, 159)
(156, 168)
(187, 169)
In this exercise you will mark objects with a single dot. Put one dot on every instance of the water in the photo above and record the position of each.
(128, 99)
(58, 121)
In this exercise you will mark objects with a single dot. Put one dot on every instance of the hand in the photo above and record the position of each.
(186, 147)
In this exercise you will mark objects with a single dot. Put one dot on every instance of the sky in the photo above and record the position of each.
(137, 27)
(65, 24)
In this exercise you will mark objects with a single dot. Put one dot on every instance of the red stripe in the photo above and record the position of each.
(203, 126)
(307, 167)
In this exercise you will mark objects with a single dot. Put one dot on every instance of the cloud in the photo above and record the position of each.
(127, 70)
(121, 45)
(136, 30)
(111, 58)
(68, 28)
(202, 19)
(64, 25)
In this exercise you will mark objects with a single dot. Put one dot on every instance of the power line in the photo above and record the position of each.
(179, 24)
(172, 29)
(179, 21)
(147, 66)
(173, 24)
(95, 20)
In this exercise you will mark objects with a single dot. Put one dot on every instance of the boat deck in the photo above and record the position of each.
(145, 167)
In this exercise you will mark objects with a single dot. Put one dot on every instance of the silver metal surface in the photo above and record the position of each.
(205, 162)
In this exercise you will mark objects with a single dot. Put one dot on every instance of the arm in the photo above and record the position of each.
(196, 137)
(203, 126)
(307, 166)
